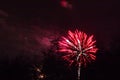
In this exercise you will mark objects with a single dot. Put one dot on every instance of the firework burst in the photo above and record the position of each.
(78, 48)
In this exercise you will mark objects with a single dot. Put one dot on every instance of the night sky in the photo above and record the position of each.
(29, 31)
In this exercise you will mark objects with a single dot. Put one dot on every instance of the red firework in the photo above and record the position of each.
(78, 47)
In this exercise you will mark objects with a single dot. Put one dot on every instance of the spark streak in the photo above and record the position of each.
(80, 48)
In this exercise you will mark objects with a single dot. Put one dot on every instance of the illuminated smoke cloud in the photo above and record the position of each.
(4, 14)
(29, 41)
(44, 37)
(66, 4)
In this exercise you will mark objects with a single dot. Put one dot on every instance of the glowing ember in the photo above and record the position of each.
(78, 47)
(41, 76)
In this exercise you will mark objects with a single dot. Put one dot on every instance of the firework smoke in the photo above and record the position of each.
(22, 39)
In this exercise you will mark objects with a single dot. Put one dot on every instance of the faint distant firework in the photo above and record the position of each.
(38, 73)
(78, 48)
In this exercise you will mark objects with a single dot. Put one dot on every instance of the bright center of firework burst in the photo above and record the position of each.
(78, 47)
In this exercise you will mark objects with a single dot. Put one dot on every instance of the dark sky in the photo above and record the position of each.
(28, 27)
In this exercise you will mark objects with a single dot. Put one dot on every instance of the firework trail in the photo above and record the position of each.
(78, 48)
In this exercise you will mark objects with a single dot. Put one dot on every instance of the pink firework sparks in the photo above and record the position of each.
(78, 47)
